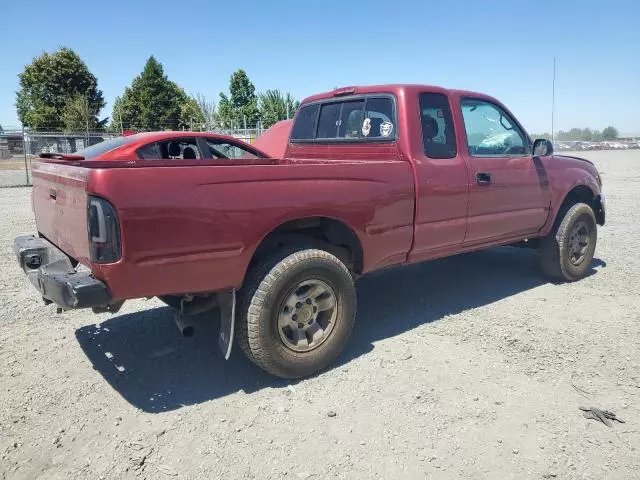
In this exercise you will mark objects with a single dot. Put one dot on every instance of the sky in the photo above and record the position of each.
(502, 48)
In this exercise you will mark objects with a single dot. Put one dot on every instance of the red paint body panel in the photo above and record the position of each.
(59, 201)
(195, 229)
(274, 141)
(194, 225)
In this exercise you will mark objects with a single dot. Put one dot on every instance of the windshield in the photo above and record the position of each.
(103, 147)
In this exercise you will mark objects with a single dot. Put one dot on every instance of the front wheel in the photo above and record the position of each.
(296, 312)
(568, 250)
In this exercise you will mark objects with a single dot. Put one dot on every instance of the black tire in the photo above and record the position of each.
(555, 248)
(267, 285)
(171, 300)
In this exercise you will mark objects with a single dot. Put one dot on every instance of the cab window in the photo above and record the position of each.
(491, 132)
(379, 120)
(304, 127)
(438, 134)
(329, 120)
(352, 119)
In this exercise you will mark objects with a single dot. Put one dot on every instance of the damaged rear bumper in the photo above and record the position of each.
(50, 271)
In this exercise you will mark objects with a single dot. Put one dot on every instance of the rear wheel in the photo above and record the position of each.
(296, 312)
(568, 250)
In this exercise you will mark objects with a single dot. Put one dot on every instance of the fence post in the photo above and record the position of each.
(24, 150)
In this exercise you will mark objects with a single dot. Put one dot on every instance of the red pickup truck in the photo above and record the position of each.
(370, 177)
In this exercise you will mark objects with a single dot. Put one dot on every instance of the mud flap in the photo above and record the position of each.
(227, 305)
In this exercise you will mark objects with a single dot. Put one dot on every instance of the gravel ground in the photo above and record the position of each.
(12, 178)
(469, 367)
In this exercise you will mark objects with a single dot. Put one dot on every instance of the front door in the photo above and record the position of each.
(508, 188)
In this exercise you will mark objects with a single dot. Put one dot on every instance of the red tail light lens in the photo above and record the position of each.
(104, 231)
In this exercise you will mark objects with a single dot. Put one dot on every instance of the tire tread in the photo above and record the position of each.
(552, 247)
(258, 285)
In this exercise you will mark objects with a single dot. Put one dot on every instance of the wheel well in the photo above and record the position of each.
(328, 233)
(579, 194)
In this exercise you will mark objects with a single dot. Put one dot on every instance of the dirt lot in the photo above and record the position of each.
(12, 172)
(469, 367)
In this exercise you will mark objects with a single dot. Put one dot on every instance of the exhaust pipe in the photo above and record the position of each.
(189, 307)
(186, 329)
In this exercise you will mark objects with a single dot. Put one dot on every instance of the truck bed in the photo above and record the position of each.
(194, 228)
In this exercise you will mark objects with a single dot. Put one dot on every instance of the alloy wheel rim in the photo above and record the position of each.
(579, 241)
(307, 315)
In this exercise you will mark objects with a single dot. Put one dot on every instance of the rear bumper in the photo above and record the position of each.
(50, 271)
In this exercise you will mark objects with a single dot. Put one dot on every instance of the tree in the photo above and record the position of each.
(541, 135)
(208, 110)
(49, 82)
(241, 106)
(116, 124)
(273, 107)
(226, 113)
(575, 133)
(77, 115)
(586, 134)
(153, 102)
(191, 115)
(610, 133)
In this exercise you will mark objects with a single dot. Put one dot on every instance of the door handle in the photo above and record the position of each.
(483, 178)
(53, 193)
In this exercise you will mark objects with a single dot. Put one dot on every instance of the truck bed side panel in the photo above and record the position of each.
(195, 229)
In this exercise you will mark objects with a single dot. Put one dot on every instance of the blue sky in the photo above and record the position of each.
(503, 48)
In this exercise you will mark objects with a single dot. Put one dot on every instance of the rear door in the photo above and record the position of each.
(508, 188)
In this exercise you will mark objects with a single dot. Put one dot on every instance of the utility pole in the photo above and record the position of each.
(553, 99)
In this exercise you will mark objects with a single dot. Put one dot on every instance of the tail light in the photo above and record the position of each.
(104, 231)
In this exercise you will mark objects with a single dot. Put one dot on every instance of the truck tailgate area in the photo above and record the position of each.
(60, 206)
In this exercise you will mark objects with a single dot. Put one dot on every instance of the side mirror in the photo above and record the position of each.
(542, 147)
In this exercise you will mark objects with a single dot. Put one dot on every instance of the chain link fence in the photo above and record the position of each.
(20, 147)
